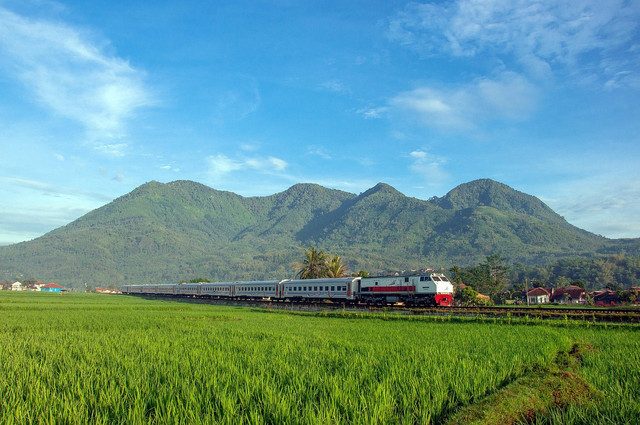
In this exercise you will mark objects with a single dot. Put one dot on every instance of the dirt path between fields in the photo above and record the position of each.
(534, 394)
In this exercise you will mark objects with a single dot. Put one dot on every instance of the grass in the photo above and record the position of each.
(78, 358)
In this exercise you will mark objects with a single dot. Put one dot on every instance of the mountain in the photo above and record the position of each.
(183, 230)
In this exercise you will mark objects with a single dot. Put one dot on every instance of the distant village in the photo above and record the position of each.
(577, 295)
(35, 286)
(568, 295)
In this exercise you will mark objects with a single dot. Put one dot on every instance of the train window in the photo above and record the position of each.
(406, 279)
(435, 278)
(333, 288)
(376, 283)
(315, 288)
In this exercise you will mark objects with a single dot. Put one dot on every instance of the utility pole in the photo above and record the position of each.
(526, 291)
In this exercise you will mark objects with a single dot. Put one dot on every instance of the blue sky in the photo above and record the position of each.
(99, 97)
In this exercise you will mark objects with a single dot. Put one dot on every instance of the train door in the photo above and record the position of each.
(357, 289)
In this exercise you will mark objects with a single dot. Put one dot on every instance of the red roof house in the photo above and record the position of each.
(571, 295)
(51, 287)
(538, 296)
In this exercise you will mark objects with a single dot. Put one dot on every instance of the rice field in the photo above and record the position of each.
(83, 358)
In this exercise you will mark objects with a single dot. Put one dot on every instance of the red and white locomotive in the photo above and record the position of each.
(423, 289)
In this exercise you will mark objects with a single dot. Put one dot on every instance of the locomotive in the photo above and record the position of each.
(423, 289)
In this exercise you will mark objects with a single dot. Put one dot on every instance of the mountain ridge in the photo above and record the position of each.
(165, 232)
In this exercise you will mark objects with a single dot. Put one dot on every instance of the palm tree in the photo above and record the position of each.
(335, 267)
(313, 266)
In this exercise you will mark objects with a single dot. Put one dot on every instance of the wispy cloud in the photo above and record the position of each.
(603, 205)
(53, 190)
(70, 71)
(430, 167)
(239, 98)
(588, 37)
(508, 96)
(36, 207)
(373, 112)
(220, 166)
(320, 151)
(335, 86)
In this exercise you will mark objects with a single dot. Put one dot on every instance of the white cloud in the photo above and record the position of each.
(335, 86)
(319, 151)
(373, 113)
(605, 205)
(248, 147)
(509, 96)
(574, 37)
(53, 190)
(277, 163)
(430, 167)
(115, 149)
(68, 71)
(29, 208)
(220, 165)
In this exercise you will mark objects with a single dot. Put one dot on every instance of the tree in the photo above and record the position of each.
(335, 267)
(467, 296)
(456, 274)
(496, 271)
(313, 266)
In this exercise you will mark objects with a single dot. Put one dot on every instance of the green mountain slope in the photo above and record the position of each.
(181, 230)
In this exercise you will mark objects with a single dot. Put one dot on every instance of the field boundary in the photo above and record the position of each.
(534, 395)
(448, 318)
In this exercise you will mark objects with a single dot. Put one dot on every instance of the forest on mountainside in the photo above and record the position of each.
(164, 233)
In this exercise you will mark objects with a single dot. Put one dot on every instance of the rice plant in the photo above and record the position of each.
(105, 359)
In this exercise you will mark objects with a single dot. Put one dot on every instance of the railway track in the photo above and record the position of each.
(590, 314)
(621, 315)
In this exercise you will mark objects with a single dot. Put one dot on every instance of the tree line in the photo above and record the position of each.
(493, 277)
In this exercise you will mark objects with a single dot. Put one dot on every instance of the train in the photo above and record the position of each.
(427, 289)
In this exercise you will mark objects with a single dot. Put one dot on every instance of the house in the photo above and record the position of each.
(51, 287)
(16, 286)
(571, 295)
(538, 296)
(605, 297)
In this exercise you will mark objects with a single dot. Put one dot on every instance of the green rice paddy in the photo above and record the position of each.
(77, 359)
